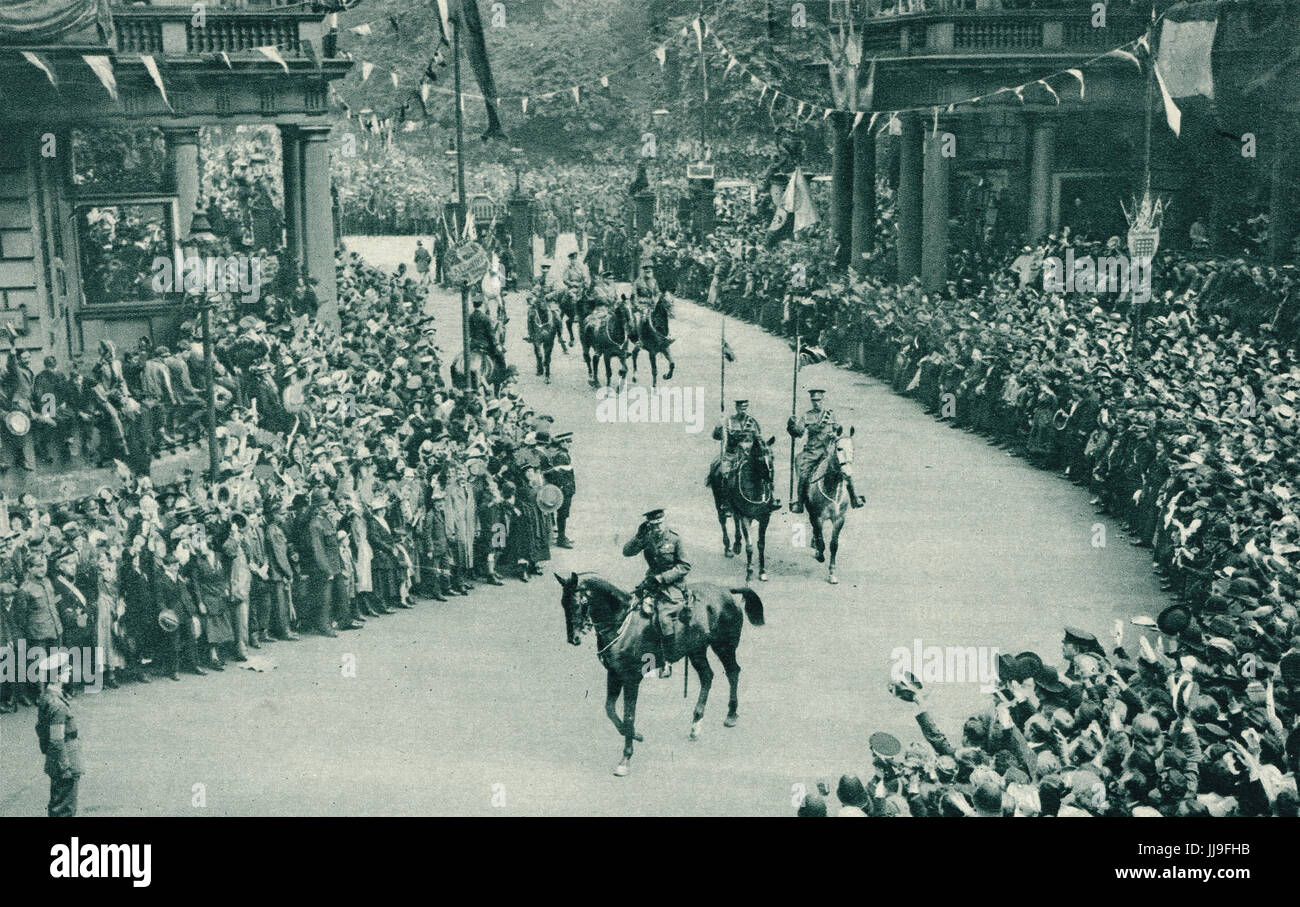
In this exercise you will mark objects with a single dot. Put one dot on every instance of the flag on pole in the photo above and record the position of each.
(366, 70)
(363, 29)
(1183, 67)
(475, 41)
(470, 233)
(727, 352)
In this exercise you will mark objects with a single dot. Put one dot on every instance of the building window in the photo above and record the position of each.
(122, 243)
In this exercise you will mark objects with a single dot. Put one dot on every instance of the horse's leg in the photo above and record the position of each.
(726, 652)
(749, 548)
(721, 511)
(700, 661)
(672, 366)
(636, 354)
(654, 368)
(630, 691)
(819, 543)
(537, 354)
(622, 368)
(836, 526)
(762, 545)
(613, 687)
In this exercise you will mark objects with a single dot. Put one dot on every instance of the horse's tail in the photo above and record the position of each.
(753, 604)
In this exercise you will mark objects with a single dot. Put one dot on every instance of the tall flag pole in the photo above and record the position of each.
(794, 395)
(464, 204)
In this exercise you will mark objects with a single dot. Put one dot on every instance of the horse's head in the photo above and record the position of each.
(843, 459)
(574, 602)
(763, 458)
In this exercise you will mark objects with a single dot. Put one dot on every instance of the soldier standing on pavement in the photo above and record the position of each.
(56, 731)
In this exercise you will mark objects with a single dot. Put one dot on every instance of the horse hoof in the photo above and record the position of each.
(749, 575)
(832, 579)
(548, 379)
(731, 721)
(727, 552)
(620, 771)
(819, 557)
(762, 577)
(638, 738)
(695, 732)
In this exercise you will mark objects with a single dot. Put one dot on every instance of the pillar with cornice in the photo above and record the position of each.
(1042, 166)
(908, 200)
(841, 186)
(864, 194)
(318, 220)
(183, 158)
(934, 211)
(291, 179)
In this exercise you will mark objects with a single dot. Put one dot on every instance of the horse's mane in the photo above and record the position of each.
(604, 586)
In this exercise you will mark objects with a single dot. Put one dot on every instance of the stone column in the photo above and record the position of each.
(934, 216)
(864, 194)
(291, 181)
(521, 232)
(908, 199)
(1042, 154)
(318, 220)
(183, 156)
(841, 187)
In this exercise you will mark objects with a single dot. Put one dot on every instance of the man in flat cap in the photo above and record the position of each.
(662, 592)
(819, 424)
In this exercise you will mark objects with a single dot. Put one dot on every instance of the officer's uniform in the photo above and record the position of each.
(646, 289)
(482, 336)
(62, 757)
(738, 427)
(664, 584)
(821, 431)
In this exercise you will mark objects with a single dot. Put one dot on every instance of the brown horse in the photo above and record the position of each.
(826, 500)
(747, 498)
(605, 334)
(543, 330)
(652, 336)
(628, 643)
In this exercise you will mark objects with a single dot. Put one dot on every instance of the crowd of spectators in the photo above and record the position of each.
(352, 482)
(1179, 415)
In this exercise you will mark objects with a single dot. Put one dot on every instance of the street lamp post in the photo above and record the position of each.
(199, 241)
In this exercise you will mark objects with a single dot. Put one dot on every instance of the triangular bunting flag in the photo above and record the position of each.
(104, 70)
(366, 70)
(39, 64)
(1124, 55)
(661, 54)
(363, 29)
(273, 55)
(225, 58)
(857, 118)
(152, 67)
(731, 64)
(1055, 97)
(1078, 74)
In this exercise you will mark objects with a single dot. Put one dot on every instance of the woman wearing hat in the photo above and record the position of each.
(211, 586)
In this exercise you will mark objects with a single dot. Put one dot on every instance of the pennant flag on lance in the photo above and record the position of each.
(152, 68)
(727, 352)
(39, 64)
(1078, 74)
(393, 75)
(273, 55)
(104, 70)
(362, 29)
(699, 34)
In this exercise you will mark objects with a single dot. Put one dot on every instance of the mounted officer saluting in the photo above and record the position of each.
(663, 591)
(822, 432)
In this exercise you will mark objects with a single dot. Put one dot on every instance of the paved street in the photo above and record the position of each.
(479, 706)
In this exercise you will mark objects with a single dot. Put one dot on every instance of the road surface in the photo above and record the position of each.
(479, 706)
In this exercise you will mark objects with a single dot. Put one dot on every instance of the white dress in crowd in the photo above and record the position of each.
(363, 555)
(109, 607)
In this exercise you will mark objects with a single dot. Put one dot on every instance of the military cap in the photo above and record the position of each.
(815, 391)
(656, 514)
(742, 402)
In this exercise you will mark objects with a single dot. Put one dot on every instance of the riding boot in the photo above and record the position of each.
(854, 497)
(665, 666)
(796, 506)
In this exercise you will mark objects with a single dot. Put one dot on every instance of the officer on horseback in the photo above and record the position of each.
(822, 430)
(483, 335)
(662, 593)
(542, 307)
(738, 426)
(576, 277)
(646, 287)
